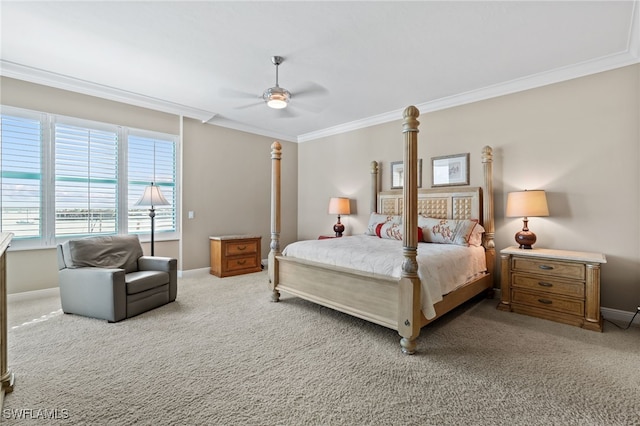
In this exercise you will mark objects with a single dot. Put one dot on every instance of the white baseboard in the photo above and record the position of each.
(34, 294)
(619, 316)
(193, 273)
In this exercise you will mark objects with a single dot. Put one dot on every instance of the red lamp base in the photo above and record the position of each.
(526, 239)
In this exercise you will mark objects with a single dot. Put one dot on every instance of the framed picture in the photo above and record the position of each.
(397, 174)
(450, 170)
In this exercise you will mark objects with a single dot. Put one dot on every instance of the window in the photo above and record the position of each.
(21, 177)
(64, 177)
(151, 160)
(86, 181)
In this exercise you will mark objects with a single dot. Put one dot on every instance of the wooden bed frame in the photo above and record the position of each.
(380, 299)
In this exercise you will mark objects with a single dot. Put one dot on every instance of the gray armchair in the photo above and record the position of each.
(109, 278)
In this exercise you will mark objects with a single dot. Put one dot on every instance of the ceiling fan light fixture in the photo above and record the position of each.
(276, 97)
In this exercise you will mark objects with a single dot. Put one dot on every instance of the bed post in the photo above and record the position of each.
(276, 155)
(488, 217)
(373, 205)
(409, 286)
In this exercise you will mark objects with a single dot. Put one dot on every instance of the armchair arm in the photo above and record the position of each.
(94, 292)
(157, 263)
(166, 264)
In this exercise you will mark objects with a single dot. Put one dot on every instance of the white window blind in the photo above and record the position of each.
(21, 162)
(64, 177)
(151, 159)
(86, 180)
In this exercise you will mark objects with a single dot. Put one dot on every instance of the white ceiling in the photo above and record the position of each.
(365, 60)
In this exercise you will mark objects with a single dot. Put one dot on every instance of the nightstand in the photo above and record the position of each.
(557, 285)
(235, 255)
(326, 237)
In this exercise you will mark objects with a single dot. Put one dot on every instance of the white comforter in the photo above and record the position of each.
(441, 267)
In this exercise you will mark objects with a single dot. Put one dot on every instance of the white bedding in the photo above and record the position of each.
(441, 267)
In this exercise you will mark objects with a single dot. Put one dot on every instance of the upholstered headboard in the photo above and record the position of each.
(439, 203)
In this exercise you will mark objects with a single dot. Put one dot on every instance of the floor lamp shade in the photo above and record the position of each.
(338, 205)
(526, 204)
(152, 197)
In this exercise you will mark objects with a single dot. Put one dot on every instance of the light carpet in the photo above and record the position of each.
(223, 354)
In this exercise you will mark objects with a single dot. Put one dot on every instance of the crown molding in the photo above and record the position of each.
(629, 57)
(531, 82)
(230, 124)
(634, 31)
(60, 81)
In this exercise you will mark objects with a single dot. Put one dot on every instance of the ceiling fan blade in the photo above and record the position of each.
(309, 89)
(250, 105)
(287, 113)
(233, 93)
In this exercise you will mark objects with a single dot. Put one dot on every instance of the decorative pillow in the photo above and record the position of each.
(447, 231)
(392, 231)
(389, 230)
(476, 236)
(376, 218)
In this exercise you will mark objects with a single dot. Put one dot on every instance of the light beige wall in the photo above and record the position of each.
(226, 180)
(226, 183)
(578, 140)
(37, 97)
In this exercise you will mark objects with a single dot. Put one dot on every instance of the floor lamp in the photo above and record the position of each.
(152, 197)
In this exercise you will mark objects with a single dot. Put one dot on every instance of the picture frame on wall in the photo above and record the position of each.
(450, 170)
(397, 174)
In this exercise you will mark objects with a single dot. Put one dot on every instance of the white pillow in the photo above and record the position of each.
(448, 231)
(376, 218)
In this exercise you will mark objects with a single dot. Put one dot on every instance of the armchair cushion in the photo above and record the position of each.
(114, 252)
(140, 281)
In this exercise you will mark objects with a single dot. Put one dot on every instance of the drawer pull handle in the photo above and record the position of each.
(543, 284)
(545, 301)
(241, 262)
(242, 247)
(545, 267)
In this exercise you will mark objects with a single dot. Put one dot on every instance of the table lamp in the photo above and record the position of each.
(526, 204)
(339, 206)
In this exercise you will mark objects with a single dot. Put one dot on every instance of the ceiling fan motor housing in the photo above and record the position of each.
(276, 97)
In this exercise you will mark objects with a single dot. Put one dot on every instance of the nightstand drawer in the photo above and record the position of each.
(549, 302)
(241, 247)
(549, 267)
(548, 284)
(239, 263)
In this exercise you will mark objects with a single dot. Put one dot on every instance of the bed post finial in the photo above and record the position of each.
(410, 123)
(276, 156)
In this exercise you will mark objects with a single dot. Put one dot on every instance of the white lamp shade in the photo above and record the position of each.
(339, 206)
(527, 204)
(152, 197)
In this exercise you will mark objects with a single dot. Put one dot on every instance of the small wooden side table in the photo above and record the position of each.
(235, 255)
(326, 237)
(557, 285)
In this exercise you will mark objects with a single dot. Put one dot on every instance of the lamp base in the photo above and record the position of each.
(526, 239)
(338, 228)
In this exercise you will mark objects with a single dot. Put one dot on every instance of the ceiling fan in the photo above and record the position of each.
(277, 97)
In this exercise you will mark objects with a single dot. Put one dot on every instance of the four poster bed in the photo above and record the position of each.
(395, 290)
